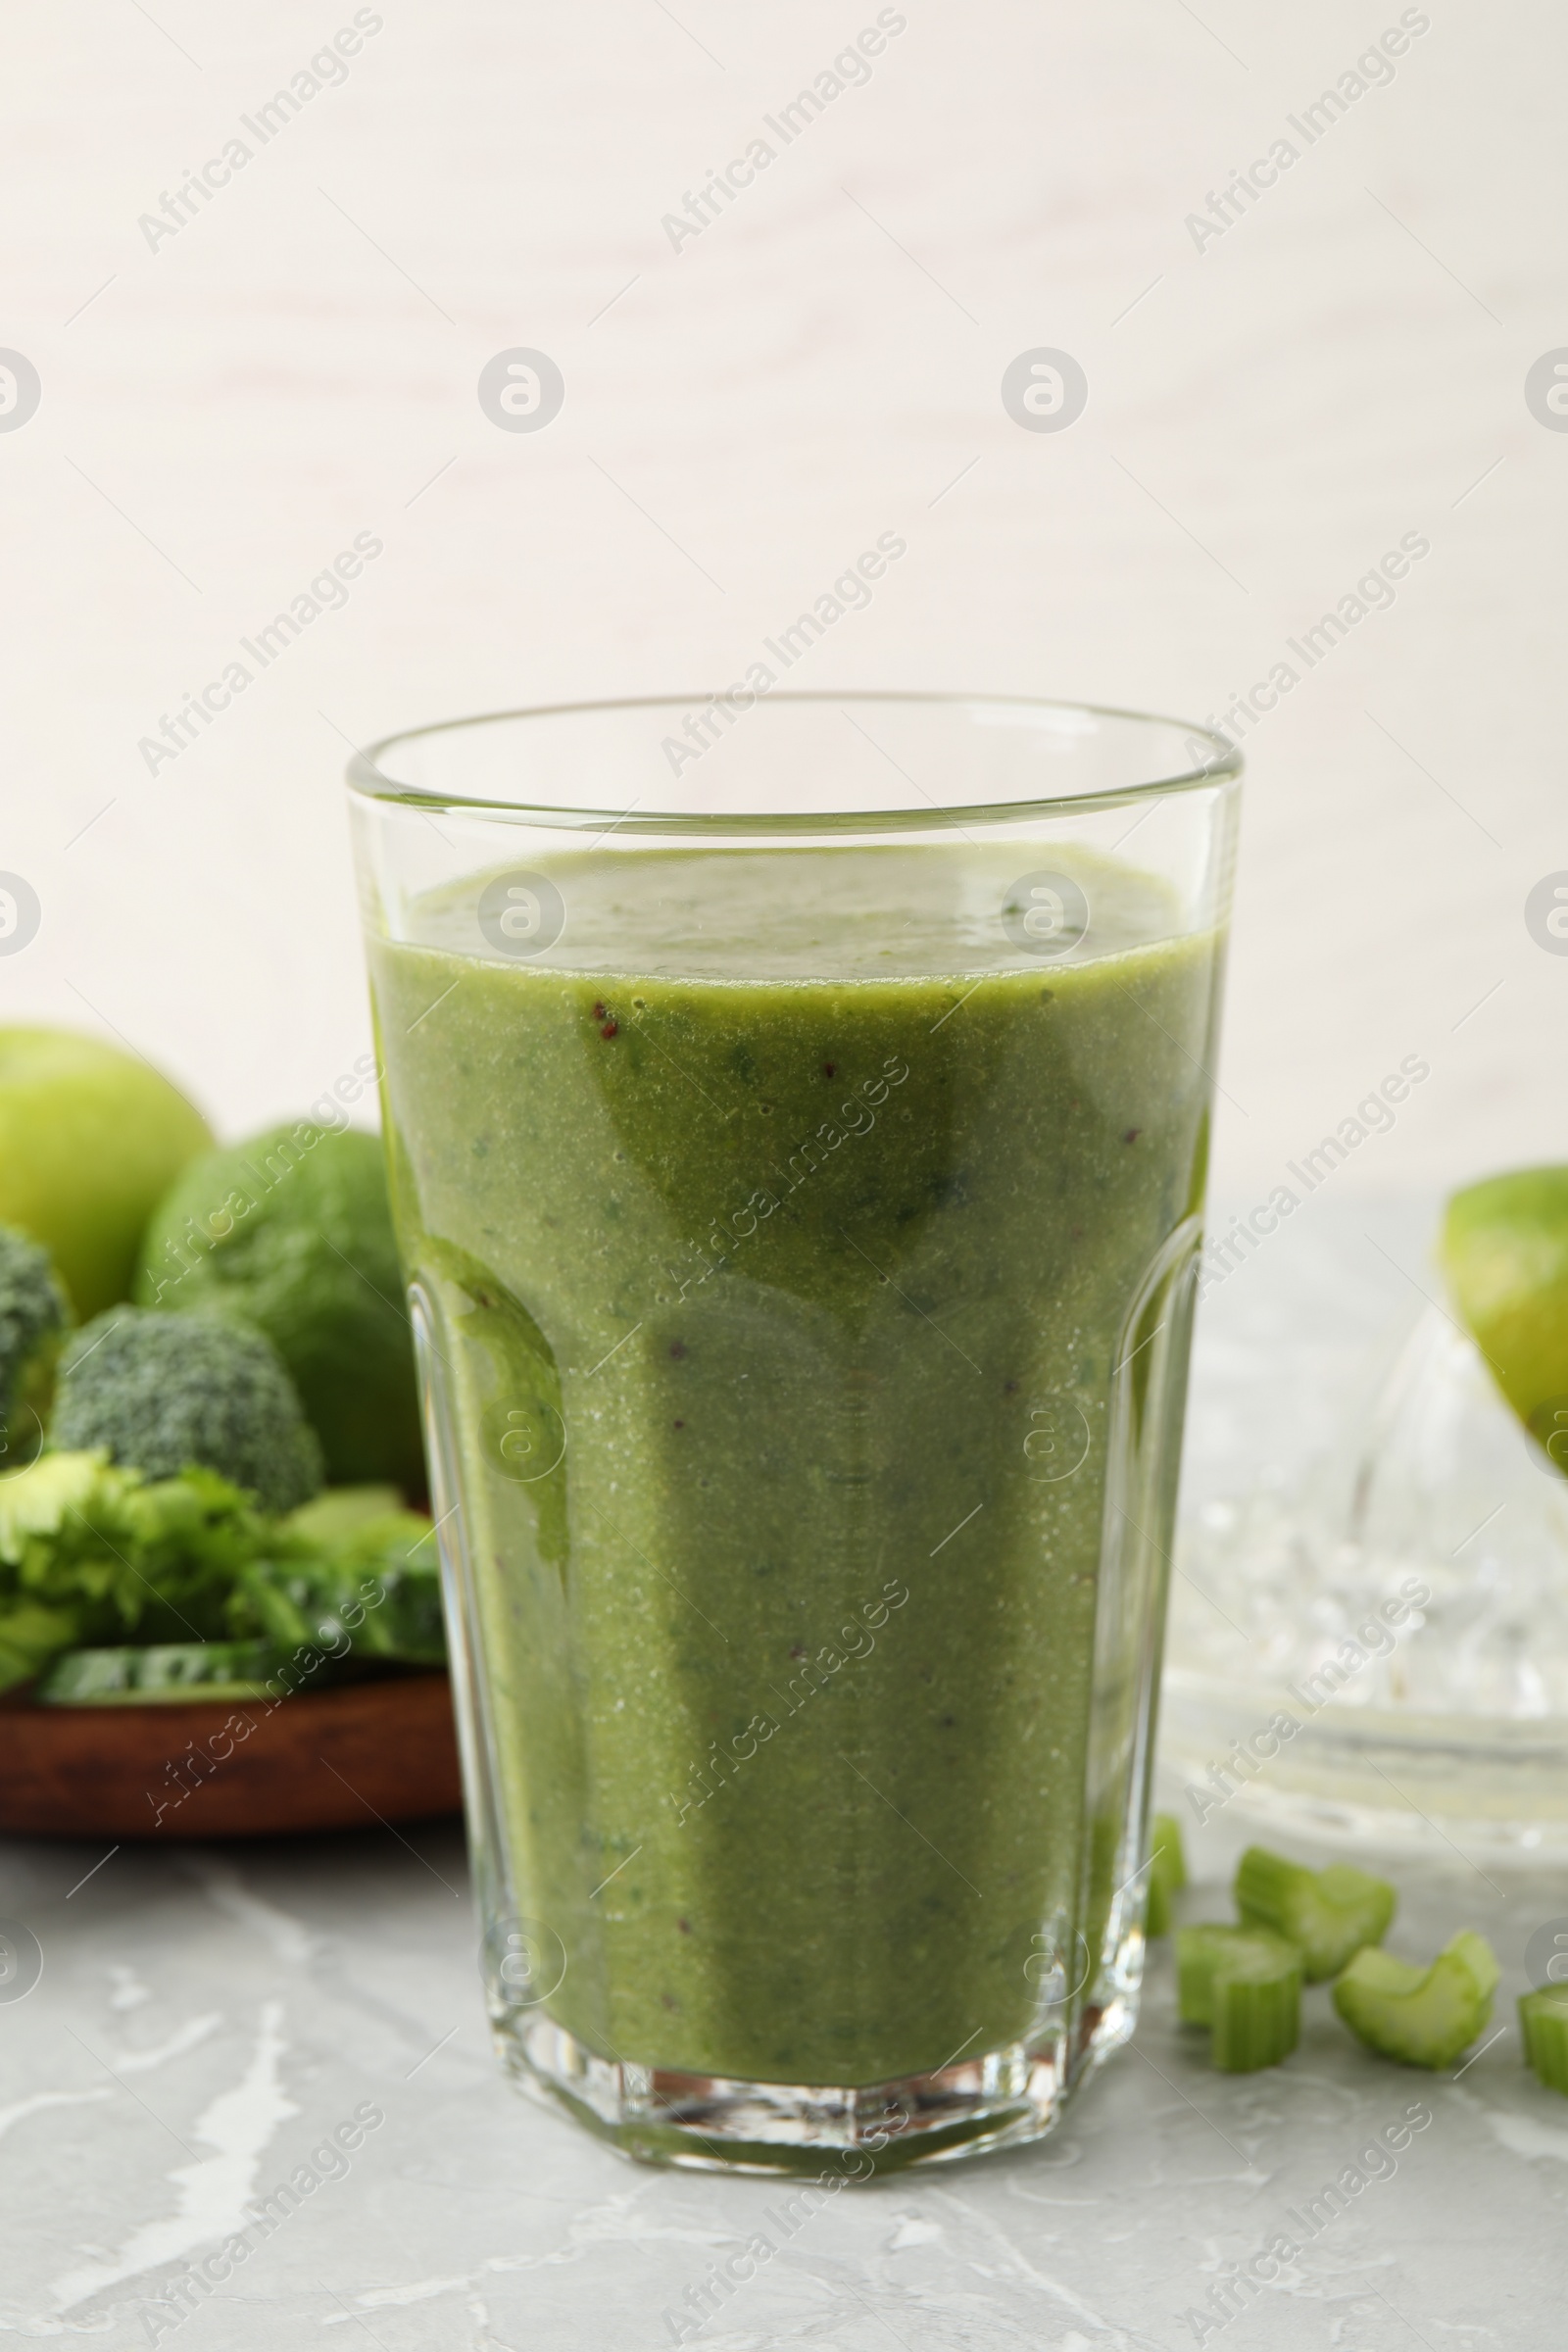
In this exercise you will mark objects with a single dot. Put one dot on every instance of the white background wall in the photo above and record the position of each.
(297, 364)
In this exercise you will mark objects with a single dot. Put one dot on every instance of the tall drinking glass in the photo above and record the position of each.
(796, 1111)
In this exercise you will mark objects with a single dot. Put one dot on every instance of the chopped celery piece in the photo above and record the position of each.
(1544, 2029)
(1168, 1873)
(1198, 1949)
(1246, 1984)
(1257, 2004)
(1329, 1914)
(1419, 2016)
(1210, 1949)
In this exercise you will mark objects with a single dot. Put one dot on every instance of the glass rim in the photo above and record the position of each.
(366, 778)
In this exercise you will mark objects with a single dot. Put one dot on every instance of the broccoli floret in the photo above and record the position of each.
(162, 1393)
(33, 1318)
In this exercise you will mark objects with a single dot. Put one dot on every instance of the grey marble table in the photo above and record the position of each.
(209, 2022)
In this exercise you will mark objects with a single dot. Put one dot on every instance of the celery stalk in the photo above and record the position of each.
(1544, 2031)
(1329, 1914)
(1419, 2016)
(1257, 2013)
(1211, 1950)
(1167, 1874)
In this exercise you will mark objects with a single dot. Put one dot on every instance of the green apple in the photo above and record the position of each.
(1504, 1250)
(91, 1141)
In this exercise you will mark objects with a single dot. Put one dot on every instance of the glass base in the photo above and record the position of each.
(715, 2122)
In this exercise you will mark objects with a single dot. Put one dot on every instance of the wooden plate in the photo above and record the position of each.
(317, 1760)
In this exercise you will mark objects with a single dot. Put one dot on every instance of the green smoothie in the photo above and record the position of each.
(806, 1344)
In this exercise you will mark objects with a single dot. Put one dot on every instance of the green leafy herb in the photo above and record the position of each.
(107, 1555)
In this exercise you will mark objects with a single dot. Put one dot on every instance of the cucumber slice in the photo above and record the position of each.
(1419, 2016)
(1329, 1914)
(390, 1612)
(162, 1675)
(377, 1594)
(295, 1603)
(1544, 2029)
(409, 1625)
(1167, 1874)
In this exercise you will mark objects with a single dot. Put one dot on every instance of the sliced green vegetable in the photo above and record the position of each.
(1167, 1874)
(1256, 2004)
(377, 1594)
(162, 1675)
(1210, 1950)
(1419, 2016)
(1544, 2029)
(94, 1554)
(1199, 1952)
(1246, 1984)
(1327, 1914)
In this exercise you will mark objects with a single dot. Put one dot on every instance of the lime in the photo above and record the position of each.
(292, 1232)
(91, 1141)
(1504, 1250)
